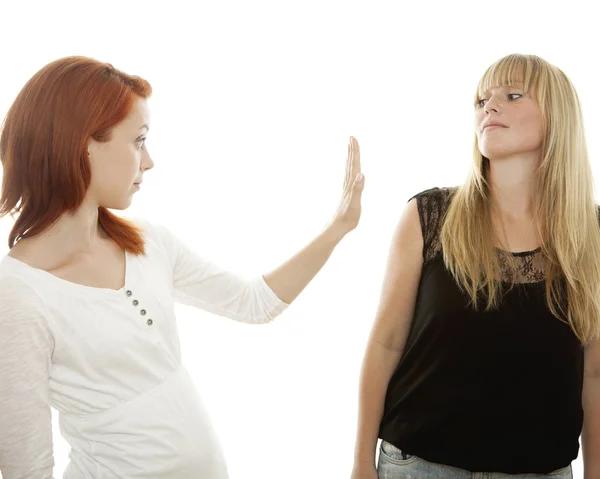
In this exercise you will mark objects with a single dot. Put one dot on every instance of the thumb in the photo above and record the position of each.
(358, 186)
(359, 181)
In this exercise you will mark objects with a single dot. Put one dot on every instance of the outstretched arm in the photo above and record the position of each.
(201, 283)
(290, 279)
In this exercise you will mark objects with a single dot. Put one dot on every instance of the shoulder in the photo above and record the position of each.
(15, 290)
(151, 230)
(21, 305)
(33, 252)
(435, 195)
(157, 236)
(432, 205)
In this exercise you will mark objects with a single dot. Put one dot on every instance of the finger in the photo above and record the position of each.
(348, 163)
(348, 179)
(356, 167)
(351, 173)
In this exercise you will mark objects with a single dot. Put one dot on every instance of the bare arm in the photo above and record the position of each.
(203, 284)
(591, 407)
(389, 333)
(290, 279)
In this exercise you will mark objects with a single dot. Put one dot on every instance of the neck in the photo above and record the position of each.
(512, 186)
(77, 233)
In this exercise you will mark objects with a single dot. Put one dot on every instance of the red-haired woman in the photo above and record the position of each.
(87, 322)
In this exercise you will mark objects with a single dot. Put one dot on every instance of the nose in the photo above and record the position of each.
(147, 163)
(491, 105)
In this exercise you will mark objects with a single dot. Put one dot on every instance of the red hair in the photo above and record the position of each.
(44, 139)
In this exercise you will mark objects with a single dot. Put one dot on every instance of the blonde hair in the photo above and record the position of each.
(565, 210)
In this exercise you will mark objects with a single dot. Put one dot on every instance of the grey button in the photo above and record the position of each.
(128, 292)
(143, 312)
(135, 302)
(150, 322)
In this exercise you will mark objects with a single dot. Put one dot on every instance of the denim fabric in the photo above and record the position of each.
(394, 464)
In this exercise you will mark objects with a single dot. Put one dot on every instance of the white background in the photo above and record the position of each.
(252, 109)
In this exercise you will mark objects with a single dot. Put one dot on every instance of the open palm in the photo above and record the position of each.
(349, 210)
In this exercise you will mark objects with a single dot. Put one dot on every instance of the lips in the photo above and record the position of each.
(493, 123)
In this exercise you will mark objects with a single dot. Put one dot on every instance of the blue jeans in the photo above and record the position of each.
(394, 464)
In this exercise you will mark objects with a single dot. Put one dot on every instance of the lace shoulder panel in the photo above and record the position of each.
(432, 205)
(518, 267)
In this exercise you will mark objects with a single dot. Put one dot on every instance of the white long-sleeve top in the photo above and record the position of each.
(110, 363)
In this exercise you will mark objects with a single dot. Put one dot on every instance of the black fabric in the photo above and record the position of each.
(496, 391)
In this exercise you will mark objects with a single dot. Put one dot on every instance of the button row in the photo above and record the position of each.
(135, 302)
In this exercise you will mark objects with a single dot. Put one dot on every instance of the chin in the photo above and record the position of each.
(496, 153)
(119, 205)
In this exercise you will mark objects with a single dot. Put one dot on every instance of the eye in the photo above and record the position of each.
(141, 141)
(479, 102)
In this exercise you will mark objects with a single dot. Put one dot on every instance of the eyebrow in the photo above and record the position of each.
(506, 87)
(145, 126)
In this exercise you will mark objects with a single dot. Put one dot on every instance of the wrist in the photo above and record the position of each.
(335, 232)
(363, 460)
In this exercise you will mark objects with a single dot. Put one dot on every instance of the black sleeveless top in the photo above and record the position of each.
(496, 391)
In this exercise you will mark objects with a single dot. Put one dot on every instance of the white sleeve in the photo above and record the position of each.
(26, 450)
(199, 282)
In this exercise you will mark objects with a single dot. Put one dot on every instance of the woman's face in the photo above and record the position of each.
(522, 130)
(119, 163)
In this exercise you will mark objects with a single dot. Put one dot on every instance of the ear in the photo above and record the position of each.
(92, 146)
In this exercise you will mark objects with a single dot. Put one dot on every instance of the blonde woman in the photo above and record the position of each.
(484, 355)
(87, 319)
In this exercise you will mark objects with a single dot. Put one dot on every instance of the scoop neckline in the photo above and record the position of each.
(520, 253)
(76, 287)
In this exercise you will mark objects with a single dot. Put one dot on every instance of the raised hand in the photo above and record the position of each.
(348, 213)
